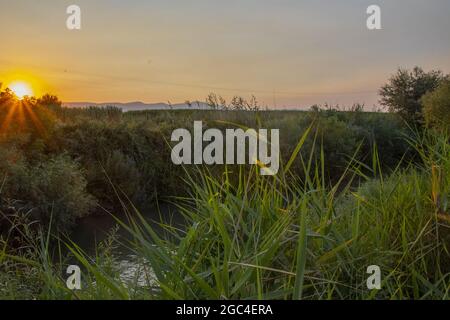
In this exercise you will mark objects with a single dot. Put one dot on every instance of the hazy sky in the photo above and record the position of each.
(285, 52)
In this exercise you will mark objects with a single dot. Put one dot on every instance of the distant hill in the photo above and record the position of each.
(138, 105)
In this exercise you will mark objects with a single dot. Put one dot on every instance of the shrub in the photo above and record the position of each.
(403, 92)
(118, 173)
(26, 117)
(437, 107)
(57, 190)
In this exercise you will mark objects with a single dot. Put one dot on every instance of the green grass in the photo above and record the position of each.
(288, 236)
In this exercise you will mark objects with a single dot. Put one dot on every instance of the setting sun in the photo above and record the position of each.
(21, 89)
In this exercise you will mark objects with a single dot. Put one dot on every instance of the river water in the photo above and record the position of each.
(95, 229)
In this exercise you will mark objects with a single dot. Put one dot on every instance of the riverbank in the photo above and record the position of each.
(281, 237)
(87, 159)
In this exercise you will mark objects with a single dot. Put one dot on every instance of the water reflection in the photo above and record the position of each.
(92, 231)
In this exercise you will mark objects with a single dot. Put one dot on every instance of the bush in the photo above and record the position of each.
(58, 192)
(437, 107)
(26, 117)
(118, 173)
(53, 189)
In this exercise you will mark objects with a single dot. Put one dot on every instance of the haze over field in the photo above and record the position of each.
(287, 53)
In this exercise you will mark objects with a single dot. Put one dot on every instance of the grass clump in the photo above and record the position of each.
(288, 236)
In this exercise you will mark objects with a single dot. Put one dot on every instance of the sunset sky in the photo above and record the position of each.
(287, 53)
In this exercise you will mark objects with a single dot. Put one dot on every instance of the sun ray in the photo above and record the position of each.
(35, 120)
(9, 116)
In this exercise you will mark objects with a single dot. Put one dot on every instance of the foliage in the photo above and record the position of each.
(237, 103)
(437, 107)
(129, 153)
(358, 189)
(404, 90)
(264, 238)
(58, 192)
(53, 191)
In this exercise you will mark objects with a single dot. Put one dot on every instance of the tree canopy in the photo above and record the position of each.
(404, 90)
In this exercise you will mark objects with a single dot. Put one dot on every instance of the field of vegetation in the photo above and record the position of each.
(354, 189)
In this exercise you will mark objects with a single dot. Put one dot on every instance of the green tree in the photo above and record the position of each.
(404, 90)
(50, 101)
(437, 107)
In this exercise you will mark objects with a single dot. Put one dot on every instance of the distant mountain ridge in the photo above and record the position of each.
(139, 105)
